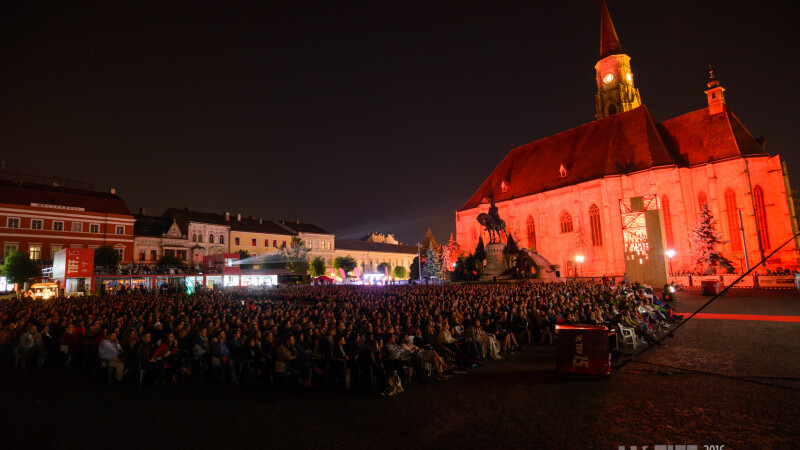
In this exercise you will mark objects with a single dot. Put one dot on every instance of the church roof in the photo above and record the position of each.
(609, 42)
(619, 144)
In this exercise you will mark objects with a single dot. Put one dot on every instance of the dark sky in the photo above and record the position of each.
(356, 116)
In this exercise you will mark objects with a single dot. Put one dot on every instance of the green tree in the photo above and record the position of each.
(705, 238)
(296, 256)
(413, 271)
(243, 254)
(428, 241)
(106, 256)
(400, 272)
(169, 261)
(348, 263)
(317, 267)
(19, 268)
(433, 263)
(382, 268)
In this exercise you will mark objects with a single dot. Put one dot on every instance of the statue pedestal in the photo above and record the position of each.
(495, 262)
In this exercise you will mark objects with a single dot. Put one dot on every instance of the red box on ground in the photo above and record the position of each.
(710, 287)
(582, 349)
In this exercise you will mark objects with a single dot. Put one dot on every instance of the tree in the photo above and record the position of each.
(317, 267)
(704, 238)
(169, 261)
(382, 268)
(450, 254)
(19, 268)
(400, 272)
(427, 241)
(106, 256)
(296, 255)
(413, 271)
(433, 263)
(243, 254)
(348, 263)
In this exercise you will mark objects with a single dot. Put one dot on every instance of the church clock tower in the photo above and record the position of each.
(615, 90)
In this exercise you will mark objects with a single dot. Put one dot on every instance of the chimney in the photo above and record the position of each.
(227, 216)
(142, 211)
(113, 191)
(260, 221)
(239, 217)
(298, 221)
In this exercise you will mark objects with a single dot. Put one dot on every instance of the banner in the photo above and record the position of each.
(746, 282)
(73, 263)
(776, 281)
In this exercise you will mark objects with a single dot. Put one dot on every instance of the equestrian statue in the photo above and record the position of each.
(493, 224)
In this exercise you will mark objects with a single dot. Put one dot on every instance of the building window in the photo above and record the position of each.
(221, 239)
(667, 222)
(77, 227)
(702, 199)
(210, 238)
(8, 248)
(141, 255)
(254, 242)
(55, 249)
(120, 229)
(531, 228)
(194, 237)
(236, 241)
(35, 252)
(594, 222)
(732, 211)
(200, 238)
(12, 222)
(504, 187)
(181, 254)
(566, 222)
(153, 255)
(36, 224)
(275, 243)
(58, 226)
(94, 228)
(121, 253)
(266, 242)
(761, 217)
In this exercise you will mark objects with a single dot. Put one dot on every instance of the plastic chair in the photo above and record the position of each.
(627, 335)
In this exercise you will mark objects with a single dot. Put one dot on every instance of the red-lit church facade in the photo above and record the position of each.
(560, 196)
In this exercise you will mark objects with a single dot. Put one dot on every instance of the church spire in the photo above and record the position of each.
(609, 42)
(615, 90)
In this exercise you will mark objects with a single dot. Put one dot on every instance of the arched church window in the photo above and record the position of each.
(733, 219)
(702, 199)
(566, 222)
(667, 222)
(594, 221)
(761, 216)
(531, 228)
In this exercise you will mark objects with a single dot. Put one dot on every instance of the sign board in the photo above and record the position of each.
(48, 205)
(746, 282)
(697, 280)
(776, 281)
(73, 263)
(582, 349)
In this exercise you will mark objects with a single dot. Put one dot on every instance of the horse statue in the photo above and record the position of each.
(493, 225)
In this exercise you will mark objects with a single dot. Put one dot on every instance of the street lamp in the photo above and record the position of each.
(670, 254)
(580, 259)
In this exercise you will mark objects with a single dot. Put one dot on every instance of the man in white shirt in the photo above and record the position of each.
(110, 350)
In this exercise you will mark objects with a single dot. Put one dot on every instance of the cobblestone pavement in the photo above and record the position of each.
(518, 402)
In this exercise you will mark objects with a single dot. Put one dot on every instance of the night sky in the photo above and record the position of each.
(357, 117)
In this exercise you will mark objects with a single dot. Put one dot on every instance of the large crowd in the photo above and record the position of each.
(314, 335)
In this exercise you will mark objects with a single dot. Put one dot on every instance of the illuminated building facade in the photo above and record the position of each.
(43, 219)
(560, 195)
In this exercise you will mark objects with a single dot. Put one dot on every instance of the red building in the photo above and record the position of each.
(41, 220)
(561, 195)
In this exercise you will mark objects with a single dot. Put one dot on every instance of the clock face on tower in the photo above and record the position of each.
(608, 78)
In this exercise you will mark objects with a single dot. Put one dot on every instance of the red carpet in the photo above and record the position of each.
(744, 317)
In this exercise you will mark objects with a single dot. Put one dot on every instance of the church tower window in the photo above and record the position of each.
(667, 222)
(566, 222)
(761, 217)
(733, 219)
(594, 221)
(531, 227)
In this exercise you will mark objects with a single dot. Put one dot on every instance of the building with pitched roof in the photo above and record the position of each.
(369, 253)
(561, 196)
(206, 233)
(42, 219)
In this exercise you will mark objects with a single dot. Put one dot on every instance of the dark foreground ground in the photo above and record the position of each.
(518, 402)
